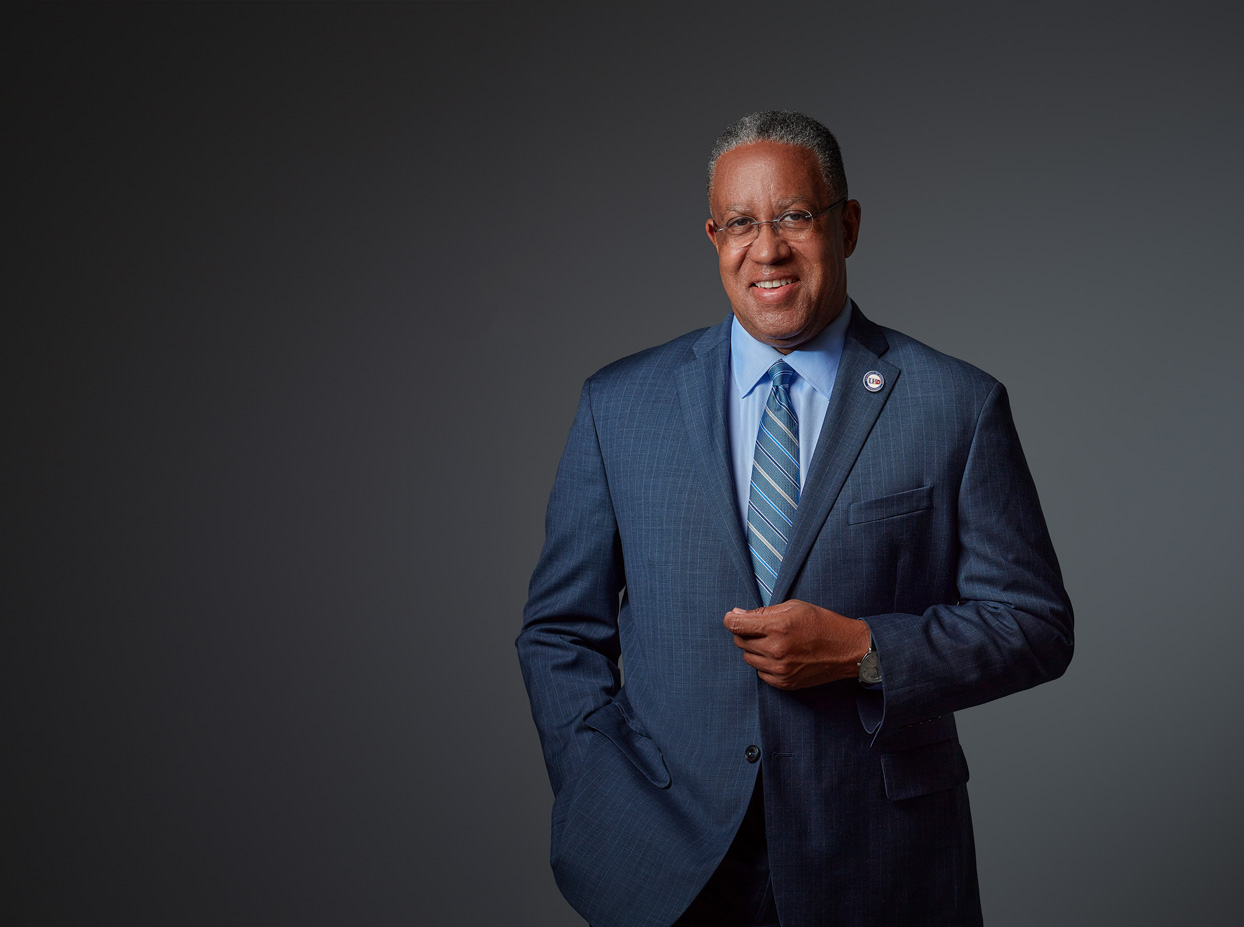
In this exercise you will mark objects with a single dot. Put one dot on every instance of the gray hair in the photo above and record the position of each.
(787, 128)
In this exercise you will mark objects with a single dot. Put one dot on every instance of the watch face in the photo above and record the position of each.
(870, 670)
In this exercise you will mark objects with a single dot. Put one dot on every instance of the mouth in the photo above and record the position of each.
(774, 284)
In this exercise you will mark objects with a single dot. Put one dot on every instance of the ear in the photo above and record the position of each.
(711, 230)
(850, 226)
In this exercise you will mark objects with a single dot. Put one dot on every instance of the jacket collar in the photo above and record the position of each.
(853, 409)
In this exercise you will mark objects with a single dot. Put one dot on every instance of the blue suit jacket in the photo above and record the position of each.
(918, 514)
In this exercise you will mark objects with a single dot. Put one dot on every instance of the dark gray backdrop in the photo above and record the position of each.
(298, 303)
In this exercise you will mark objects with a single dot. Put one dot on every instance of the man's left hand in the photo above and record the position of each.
(795, 644)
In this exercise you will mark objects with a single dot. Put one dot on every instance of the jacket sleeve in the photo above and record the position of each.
(568, 646)
(1012, 625)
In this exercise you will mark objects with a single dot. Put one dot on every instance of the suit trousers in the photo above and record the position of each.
(739, 893)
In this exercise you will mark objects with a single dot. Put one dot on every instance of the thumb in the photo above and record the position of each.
(742, 620)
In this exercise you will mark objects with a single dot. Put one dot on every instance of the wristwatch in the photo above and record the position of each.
(870, 669)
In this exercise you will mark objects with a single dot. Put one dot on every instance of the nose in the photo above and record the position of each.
(769, 247)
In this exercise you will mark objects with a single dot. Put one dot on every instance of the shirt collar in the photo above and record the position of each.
(816, 361)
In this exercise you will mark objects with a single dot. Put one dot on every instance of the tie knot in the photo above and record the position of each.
(782, 373)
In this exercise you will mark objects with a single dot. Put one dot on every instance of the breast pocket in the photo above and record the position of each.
(892, 538)
(892, 506)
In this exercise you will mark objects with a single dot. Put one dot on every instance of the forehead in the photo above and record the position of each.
(766, 174)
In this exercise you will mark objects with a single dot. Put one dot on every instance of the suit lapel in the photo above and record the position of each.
(701, 385)
(853, 409)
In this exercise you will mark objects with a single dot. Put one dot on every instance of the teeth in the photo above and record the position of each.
(772, 284)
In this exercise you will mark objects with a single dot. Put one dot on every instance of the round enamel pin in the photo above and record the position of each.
(873, 381)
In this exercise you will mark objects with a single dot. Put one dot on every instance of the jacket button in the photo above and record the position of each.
(752, 753)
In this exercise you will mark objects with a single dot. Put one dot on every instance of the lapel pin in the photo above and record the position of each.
(873, 381)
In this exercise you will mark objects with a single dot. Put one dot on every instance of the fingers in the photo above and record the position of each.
(754, 622)
(793, 644)
(753, 645)
(772, 672)
(785, 683)
(743, 623)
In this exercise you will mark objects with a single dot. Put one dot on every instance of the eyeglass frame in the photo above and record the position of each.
(773, 223)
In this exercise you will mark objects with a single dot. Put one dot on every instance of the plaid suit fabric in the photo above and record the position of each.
(917, 514)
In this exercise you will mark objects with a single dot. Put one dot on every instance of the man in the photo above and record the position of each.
(807, 540)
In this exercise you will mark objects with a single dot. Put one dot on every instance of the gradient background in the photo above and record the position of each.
(298, 301)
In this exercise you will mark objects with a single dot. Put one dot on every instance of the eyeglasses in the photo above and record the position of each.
(792, 225)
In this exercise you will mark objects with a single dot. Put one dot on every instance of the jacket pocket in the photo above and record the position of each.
(612, 721)
(900, 503)
(923, 758)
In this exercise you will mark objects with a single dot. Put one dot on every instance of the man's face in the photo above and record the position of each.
(765, 180)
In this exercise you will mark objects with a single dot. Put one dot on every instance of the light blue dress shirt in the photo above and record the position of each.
(816, 364)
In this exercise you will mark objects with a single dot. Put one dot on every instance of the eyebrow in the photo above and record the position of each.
(792, 200)
(781, 205)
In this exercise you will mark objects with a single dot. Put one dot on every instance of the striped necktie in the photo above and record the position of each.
(774, 493)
